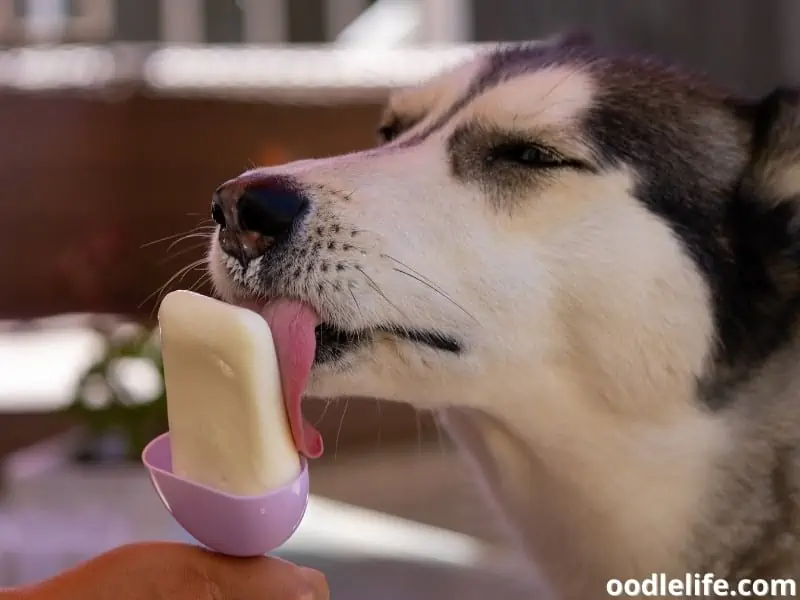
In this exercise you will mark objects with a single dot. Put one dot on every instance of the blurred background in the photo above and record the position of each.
(118, 119)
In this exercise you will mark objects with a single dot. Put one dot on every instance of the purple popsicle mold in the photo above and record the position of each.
(225, 523)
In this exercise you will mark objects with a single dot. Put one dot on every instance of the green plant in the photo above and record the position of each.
(121, 395)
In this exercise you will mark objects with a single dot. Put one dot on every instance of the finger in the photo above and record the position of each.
(318, 583)
(268, 577)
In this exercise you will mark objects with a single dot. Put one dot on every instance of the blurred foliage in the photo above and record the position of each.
(120, 399)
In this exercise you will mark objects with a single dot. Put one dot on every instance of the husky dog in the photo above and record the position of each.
(588, 265)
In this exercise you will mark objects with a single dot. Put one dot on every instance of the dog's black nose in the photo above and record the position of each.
(253, 211)
(269, 206)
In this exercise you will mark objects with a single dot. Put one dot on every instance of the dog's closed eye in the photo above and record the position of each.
(529, 155)
(388, 132)
(396, 125)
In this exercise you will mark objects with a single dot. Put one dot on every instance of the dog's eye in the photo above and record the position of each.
(387, 133)
(528, 155)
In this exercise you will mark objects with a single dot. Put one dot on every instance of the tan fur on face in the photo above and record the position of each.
(560, 95)
(790, 182)
(426, 102)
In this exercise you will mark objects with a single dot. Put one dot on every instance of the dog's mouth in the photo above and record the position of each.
(334, 343)
(302, 340)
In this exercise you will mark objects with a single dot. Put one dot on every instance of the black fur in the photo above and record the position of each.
(741, 237)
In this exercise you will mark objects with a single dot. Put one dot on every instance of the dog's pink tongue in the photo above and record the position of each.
(292, 324)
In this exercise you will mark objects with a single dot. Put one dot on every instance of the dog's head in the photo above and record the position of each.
(542, 222)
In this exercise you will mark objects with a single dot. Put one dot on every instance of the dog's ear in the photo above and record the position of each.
(775, 162)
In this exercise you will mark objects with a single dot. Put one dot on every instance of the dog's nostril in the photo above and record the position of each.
(270, 207)
(217, 212)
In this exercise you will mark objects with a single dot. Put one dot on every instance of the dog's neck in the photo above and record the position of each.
(578, 506)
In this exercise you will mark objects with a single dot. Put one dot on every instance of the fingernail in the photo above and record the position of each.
(318, 583)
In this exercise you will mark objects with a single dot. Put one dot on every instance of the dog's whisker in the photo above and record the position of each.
(416, 275)
(182, 251)
(357, 305)
(323, 413)
(179, 236)
(200, 282)
(419, 431)
(380, 422)
(439, 436)
(339, 431)
(204, 215)
(371, 283)
(204, 235)
(179, 275)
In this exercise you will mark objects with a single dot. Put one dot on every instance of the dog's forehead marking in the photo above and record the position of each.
(441, 99)
(545, 98)
(491, 70)
(435, 94)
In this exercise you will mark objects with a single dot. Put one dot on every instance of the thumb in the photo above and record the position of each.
(317, 582)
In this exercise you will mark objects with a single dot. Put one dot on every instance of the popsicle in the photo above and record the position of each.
(228, 425)
(229, 469)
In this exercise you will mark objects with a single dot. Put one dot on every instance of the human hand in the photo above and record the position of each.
(172, 571)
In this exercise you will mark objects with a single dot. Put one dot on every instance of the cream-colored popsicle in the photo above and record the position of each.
(227, 421)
